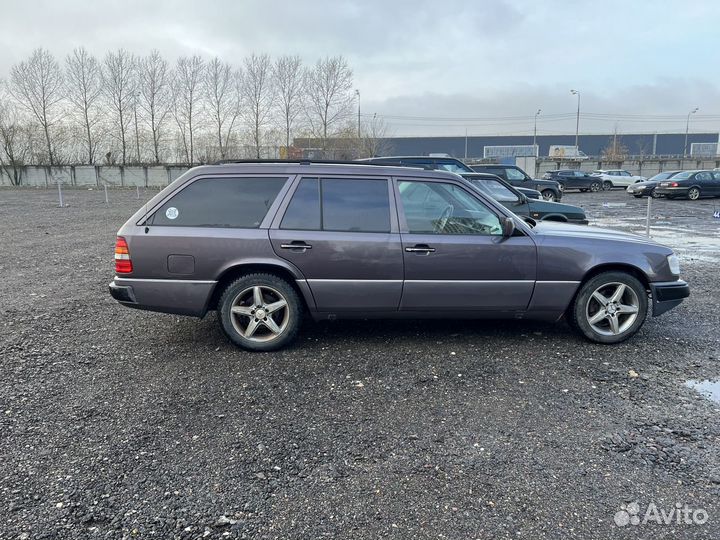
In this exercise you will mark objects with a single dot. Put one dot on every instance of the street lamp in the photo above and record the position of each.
(577, 121)
(535, 133)
(357, 93)
(687, 128)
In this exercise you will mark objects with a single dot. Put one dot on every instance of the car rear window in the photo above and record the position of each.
(220, 202)
(333, 204)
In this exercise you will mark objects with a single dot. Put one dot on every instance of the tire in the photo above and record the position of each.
(548, 195)
(595, 187)
(693, 193)
(626, 323)
(561, 187)
(272, 330)
(607, 185)
(655, 195)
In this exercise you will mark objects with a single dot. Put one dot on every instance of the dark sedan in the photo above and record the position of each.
(573, 179)
(521, 205)
(647, 188)
(691, 184)
(518, 178)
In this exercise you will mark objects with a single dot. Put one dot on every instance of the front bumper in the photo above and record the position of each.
(667, 295)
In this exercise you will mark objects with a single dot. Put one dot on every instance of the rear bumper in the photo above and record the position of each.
(671, 190)
(178, 296)
(667, 295)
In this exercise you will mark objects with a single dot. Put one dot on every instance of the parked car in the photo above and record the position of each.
(444, 163)
(265, 243)
(516, 177)
(573, 179)
(691, 184)
(426, 162)
(519, 204)
(612, 178)
(647, 188)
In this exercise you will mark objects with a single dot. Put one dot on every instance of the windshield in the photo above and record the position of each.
(452, 167)
(494, 189)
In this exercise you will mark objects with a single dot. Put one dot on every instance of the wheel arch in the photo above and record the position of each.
(236, 270)
(554, 217)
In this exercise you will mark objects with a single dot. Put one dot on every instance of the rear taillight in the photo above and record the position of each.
(123, 264)
(674, 184)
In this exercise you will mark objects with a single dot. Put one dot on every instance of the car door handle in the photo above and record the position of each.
(420, 248)
(296, 245)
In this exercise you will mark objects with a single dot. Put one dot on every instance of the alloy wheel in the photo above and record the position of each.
(612, 309)
(694, 194)
(548, 195)
(260, 313)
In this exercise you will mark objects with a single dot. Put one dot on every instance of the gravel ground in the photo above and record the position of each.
(118, 423)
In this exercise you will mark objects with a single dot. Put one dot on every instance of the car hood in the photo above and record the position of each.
(646, 183)
(554, 228)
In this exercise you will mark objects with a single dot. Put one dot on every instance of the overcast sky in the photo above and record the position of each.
(494, 62)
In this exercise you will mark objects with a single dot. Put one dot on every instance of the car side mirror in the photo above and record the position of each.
(508, 227)
(522, 199)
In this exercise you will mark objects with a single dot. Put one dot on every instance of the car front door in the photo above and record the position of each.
(706, 182)
(456, 258)
(343, 236)
(715, 185)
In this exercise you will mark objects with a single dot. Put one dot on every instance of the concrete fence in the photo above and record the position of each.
(96, 176)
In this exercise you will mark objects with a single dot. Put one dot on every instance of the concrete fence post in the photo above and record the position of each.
(647, 219)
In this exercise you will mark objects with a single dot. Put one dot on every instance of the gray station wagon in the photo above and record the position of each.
(266, 243)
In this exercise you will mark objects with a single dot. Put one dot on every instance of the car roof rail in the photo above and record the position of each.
(301, 161)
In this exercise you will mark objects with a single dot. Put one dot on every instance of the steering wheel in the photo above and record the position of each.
(440, 226)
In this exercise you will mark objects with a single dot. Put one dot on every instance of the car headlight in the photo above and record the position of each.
(674, 264)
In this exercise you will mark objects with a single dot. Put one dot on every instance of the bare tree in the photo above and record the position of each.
(258, 96)
(289, 79)
(14, 142)
(187, 101)
(329, 92)
(83, 85)
(374, 138)
(154, 78)
(119, 85)
(223, 100)
(37, 85)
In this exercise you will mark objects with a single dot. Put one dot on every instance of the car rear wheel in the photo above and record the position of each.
(595, 186)
(260, 312)
(693, 193)
(610, 307)
(561, 186)
(549, 195)
(607, 185)
(655, 195)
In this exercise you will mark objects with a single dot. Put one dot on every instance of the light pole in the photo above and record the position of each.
(535, 133)
(357, 93)
(577, 120)
(687, 128)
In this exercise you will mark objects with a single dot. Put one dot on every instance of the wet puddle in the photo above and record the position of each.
(709, 389)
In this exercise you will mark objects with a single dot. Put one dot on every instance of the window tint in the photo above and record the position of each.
(514, 174)
(220, 202)
(703, 176)
(355, 205)
(496, 171)
(303, 212)
(439, 208)
(494, 189)
(451, 166)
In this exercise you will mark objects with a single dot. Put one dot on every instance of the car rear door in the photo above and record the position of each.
(342, 233)
(456, 259)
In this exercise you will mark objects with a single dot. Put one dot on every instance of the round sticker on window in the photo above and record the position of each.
(171, 213)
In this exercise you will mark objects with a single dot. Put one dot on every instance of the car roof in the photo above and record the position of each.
(489, 176)
(316, 168)
(382, 158)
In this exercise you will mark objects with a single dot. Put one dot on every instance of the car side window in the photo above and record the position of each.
(330, 204)
(303, 212)
(443, 208)
(514, 174)
(716, 175)
(220, 202)
(703, 176)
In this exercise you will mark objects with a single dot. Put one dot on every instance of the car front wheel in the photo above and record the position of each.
(549, 195)
(595, 186)
(610, 307)
(260, 312)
